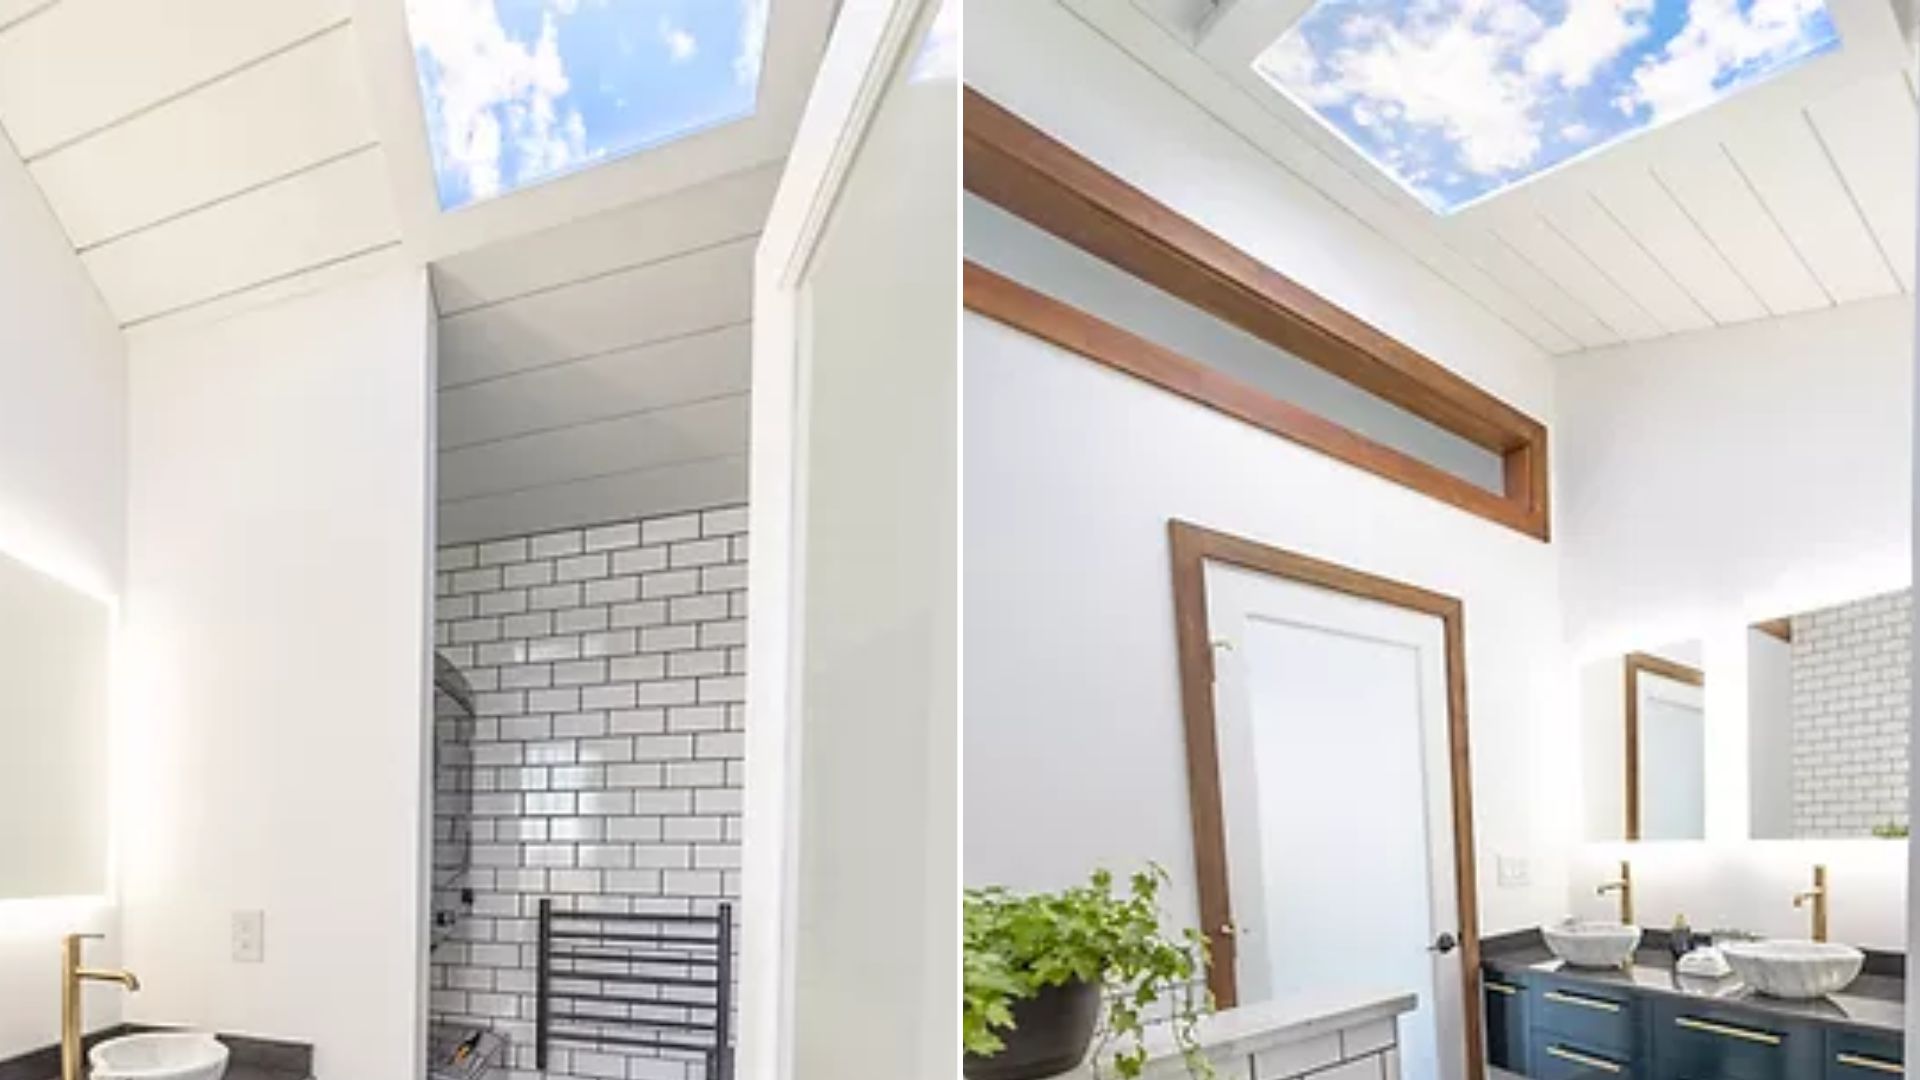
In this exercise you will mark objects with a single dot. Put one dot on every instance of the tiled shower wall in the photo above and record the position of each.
(608, 668)
(1851, 695)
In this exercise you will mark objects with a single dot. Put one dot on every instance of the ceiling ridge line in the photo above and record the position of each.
(188, 91)
(602, 275)
(1254, 144)
(592, 477)
(1778, 226)
(555, 429)
(219, 200)
(600, 354)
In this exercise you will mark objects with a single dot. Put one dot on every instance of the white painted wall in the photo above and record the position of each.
(1769, 736)
(1074, 754)
(276, 616)
(1710, 481)
(62, 508)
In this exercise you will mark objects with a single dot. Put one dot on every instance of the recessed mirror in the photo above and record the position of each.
(1828, 699)
(1644, 744)
(55, 690)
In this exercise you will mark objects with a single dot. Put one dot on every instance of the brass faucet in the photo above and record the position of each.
(71, 976)
(1817, 894)
(1624, 886)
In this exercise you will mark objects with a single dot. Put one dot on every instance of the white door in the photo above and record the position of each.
(849, 915)
(1332, 721)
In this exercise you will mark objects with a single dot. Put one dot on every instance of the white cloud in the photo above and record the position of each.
(1718, 40)
(490, 89)
(753, 41)
(681, 46)
(1592, 35)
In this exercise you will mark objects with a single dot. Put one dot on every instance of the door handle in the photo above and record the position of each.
(1443, 944)
(1874, 1064)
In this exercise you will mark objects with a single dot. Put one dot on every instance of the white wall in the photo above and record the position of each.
(62, 508)
(1713, 480)
(1074, 753)
(276, 616)
(1769, 736)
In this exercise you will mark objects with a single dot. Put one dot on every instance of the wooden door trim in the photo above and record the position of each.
(1192, 547)
(1023, 170)
(1634, 665)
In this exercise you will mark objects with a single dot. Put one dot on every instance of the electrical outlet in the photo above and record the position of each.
(249, 937)
(1515, 873)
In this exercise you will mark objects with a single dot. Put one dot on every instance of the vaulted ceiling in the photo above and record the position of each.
(1796, 195)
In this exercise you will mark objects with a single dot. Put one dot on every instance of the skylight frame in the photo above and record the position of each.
(1239, 32)
(796, 37)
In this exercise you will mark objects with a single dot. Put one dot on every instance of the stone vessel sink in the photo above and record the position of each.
(1796, 970)
(172, 1055)
(1592, 944)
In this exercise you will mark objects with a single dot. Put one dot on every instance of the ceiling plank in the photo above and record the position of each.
(697, 291)
(229, 137)
(667, 489)
(1526, 281)
(1601, 238)
(1869, 131)
(1790, 172)
(317, 217)
(1657, 223)
(112, 58)
(1543, 246)
(652, 376)
(1704, 181)
(691, 432)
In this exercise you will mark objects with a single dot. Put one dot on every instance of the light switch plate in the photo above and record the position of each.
(1515, 873)
(249, 937)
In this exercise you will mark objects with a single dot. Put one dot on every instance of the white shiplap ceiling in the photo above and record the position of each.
(205, 155)
(1796, 195)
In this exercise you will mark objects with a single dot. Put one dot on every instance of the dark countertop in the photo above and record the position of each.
(249, 1058)
(1873, 1003)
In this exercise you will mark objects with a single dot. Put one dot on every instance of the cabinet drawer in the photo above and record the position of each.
(1602, 1019)
(1506, 1011)
(1709, 1046)
(1555, 1058)
(1856, 1056)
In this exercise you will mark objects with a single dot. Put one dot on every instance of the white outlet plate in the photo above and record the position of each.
(1515, 872)
(249, 937)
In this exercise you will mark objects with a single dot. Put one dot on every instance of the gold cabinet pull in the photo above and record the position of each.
(1587, 1060)
(1876, 1064)
(1764, 1038)
(1559, 998)
(1501, 988)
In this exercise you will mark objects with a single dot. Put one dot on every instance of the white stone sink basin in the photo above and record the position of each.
(169, 1055)
(1592, 944)
(1796, 970)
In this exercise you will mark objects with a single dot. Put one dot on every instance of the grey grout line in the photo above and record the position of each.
(599, 354)
(189, 91)
(280, 178)
(629, 414)
(590, 478)
(325, 264)
(602, 275)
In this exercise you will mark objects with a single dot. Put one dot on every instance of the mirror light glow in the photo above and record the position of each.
(1457, 100)
(520, 91)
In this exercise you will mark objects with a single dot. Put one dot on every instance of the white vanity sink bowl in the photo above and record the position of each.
(171, 1055)
(1592, 944)
(1796, 970)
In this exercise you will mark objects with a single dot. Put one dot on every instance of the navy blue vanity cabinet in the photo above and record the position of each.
(1505, 1001)
(1581, 1028)
(1856, 1055)
(1699, 1040)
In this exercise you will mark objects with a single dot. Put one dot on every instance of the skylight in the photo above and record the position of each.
(520, 91)
(1460, 99)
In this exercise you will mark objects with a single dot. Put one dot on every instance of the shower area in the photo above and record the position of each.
(588, 716)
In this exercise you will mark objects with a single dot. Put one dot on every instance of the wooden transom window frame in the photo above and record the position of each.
(1026, 172)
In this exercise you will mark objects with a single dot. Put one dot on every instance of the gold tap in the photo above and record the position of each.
(71, 976)
(1817, 894)
(1624, 886)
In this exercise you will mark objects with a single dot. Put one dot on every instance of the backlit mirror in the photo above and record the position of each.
(1644, 735)
(1828, 698)
(55, 645)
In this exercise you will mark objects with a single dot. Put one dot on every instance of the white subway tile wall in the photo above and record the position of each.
(608, 666)
(1852, 695)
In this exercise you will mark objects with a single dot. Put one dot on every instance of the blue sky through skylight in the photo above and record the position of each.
(518, 91)
(1457, 99)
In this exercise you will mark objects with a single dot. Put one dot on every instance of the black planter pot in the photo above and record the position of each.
(1051, 1033)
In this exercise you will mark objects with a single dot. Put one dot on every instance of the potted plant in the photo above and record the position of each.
(1041, 968)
